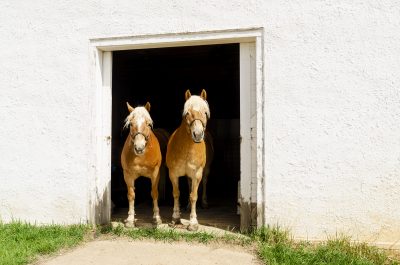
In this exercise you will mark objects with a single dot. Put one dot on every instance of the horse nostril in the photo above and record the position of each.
(197, 135)
(138, 149)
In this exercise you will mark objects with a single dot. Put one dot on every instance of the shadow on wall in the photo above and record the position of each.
(101, 210)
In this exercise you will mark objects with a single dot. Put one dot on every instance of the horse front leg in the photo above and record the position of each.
(176, 215)
(193, 223)
(130, 221)
(154, 194)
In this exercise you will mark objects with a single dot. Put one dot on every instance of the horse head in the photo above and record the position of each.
(196, 112)
(140, 125)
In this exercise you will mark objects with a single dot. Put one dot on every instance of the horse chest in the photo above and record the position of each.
(141, 166)
(141, 169)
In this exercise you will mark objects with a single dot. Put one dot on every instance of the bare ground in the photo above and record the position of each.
(125, 251)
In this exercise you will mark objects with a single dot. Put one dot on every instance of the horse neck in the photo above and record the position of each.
(184, 136)
(152, 139)
(182, 131)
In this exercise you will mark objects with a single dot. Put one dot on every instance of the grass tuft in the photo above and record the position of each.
(20, 243)
(170, 235)
(159, 234)
(276, 247)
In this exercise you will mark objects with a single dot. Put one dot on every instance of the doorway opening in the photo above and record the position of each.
(161, 76)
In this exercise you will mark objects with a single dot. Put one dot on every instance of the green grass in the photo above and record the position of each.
(276, 247)
(170, 235)
(21, 243)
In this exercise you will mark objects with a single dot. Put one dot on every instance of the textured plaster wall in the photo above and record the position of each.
(331, 81)
(332, 135)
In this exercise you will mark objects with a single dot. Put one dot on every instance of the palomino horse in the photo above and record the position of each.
(208, 140)
(186, 152)
(141, 156)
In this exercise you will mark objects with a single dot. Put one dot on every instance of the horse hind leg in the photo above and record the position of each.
(176, 215)
(154, 194)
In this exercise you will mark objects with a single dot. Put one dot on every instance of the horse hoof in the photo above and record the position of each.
(176, 221)
(173, 224)
(157, 221)
(193, 227)
(129, 224)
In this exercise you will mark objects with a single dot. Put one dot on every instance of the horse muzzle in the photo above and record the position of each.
(138, 151)
(198, 137)
(139, 141)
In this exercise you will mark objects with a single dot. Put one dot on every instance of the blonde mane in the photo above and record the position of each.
(138, 112)
(198, 104)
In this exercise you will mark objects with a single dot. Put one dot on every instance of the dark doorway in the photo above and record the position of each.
(161, 76)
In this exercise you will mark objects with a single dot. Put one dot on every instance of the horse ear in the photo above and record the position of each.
(130, 108)
(187, 94)
(203, 94)
(147, 106)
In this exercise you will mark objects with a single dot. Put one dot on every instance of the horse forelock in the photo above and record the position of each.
(140, 114)
(198, 104)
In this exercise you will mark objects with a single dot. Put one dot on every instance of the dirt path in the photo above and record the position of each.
(124, 251)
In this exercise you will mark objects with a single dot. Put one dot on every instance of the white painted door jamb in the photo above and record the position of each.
(251, 109)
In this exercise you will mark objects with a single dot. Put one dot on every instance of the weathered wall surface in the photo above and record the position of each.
(331, 77)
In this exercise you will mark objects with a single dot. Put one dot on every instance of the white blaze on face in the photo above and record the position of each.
(139, 141)
(140, 121)
(197, 130)
(197, 104)
(140, 117)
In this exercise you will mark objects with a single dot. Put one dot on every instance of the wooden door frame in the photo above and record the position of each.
(251, 115)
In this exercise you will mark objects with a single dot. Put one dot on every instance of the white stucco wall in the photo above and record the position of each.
(333, 104)
(331, 81)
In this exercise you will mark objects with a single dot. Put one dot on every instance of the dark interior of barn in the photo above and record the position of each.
(161, 76)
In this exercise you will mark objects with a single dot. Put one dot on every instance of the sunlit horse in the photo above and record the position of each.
(208, 140)
(141, 156)
(186, 152)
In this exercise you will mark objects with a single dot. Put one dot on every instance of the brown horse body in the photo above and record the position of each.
(186, 152)
(208, 140)
(141, 156)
